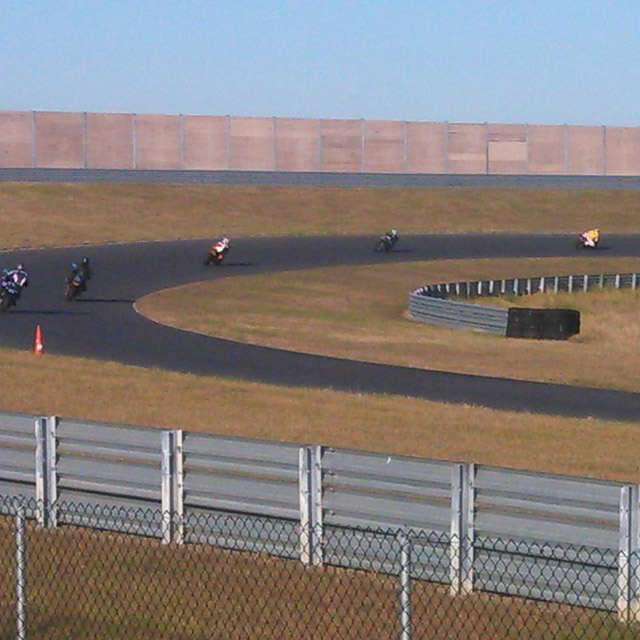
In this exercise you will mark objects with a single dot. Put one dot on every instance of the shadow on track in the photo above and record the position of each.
(36, 312)
(105, 300)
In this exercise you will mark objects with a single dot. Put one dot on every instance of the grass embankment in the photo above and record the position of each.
(357, 312)
(113, 392)
(63, 214)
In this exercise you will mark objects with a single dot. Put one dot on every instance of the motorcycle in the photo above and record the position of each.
(8, 296)
(386, 243)
(216, 254)
(74, 287)
(584, 242)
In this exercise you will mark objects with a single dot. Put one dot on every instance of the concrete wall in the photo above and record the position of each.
(154, 141)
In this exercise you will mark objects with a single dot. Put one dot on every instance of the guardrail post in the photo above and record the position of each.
(311, 521)
(628, 548)
(21, 555)
(634, 553)
(172, 470)
(405, 585)
(462, 531)
(46, 471)
(41, 472)
(634, 281)
(617, 280)
(585, 284)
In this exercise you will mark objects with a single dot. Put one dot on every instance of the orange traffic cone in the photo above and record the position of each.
(38, 346)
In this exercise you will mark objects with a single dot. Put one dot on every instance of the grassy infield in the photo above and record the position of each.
(67, 214)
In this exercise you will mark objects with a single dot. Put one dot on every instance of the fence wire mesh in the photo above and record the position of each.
(79, 580)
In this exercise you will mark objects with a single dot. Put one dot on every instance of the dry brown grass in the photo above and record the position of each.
(83, 583)
(357, 313)
(111, 392)
(62, 214)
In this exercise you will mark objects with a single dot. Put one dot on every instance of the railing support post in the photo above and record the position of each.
(311, 520)
(628, 549)
(46, 471)
(172, 487)
(462, 530)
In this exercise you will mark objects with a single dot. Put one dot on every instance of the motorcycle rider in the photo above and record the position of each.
(390, 238)
(16, 278)
(222, 245)
(591, 237)
(83, 270)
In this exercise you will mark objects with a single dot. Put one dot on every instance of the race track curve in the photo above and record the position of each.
(103, 324)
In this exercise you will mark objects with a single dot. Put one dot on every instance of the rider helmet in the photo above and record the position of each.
(74, 266)
(20, 266)
(225, 240)
(394, 232)
(85, 260)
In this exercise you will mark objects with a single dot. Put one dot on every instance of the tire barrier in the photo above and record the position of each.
(432, 304)
(548, 324)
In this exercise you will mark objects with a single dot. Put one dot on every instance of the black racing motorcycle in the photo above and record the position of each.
(386, 243)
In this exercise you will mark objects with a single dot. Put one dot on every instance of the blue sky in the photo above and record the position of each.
(562, 61)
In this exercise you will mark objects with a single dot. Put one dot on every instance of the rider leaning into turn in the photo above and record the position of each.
(592, 236)
(83, 270)
(18, 278)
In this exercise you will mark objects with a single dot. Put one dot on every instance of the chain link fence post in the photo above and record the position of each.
(21, 615)
(405, 585)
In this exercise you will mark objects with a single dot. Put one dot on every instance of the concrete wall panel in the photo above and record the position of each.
(546, 149)
(206, 142)
(59, 140)
(252, 144)
(158, 142)
(467, 148)
(585, 150)
(123, 141)
(342, 145)
(622, 146)
(507, 148)
(297, 144)
(384, 149)
(109, 141)
(426, 147)
(16, 139)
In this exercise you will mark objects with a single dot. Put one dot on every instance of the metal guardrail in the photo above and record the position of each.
(431, 303)
(302, 501)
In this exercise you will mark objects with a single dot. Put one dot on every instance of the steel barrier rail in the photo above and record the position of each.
(303, 501)
(431, 303)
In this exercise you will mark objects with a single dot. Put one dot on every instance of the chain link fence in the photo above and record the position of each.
(78, 581)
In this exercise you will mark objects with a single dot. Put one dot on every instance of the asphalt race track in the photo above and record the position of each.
(103, 323)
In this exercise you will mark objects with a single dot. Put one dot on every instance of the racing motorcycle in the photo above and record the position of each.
(9, 294)
(584, 242)
(386, 242)
(74, 287)
(217, 252)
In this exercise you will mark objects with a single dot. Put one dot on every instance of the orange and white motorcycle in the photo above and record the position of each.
(217, 252)
(588, 239)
